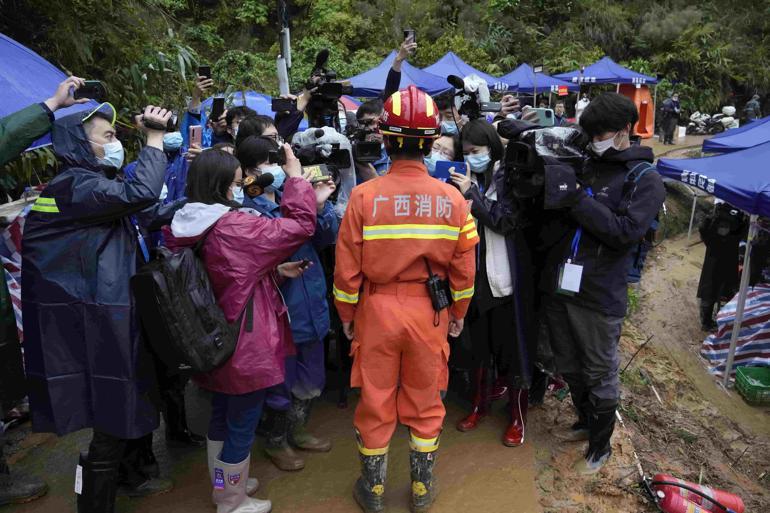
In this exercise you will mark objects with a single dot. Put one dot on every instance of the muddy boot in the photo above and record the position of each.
(213, 451)
(229, 485)
(369, 489)
(519, 401)
(578, 432)
(480, 404)
(139, 472)
(422, 458)
(277, 445)
(299, 437)
(707, 316)
(178, 435)
(15, 488)
(601, 424)
(98, 485)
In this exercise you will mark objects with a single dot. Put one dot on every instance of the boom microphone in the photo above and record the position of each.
(321, 58)
(456, 82)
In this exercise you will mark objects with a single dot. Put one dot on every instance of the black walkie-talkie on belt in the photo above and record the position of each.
(438, 290)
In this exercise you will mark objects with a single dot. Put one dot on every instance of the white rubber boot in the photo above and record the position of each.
(230, 489)
(213, 450)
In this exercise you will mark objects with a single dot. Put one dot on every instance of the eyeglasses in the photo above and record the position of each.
(277, 138)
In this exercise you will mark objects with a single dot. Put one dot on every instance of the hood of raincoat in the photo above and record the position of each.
(194, 219)
(71, 145)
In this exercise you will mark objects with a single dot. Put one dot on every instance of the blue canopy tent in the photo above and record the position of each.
(452, 64)
(750, 135)
(370, 84)
(27, 78)
(529, 81)
(742, 179)
(606, 71)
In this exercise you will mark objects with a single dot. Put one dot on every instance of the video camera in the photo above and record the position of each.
(474, 95)
(316, 155)
(364, 151)
(325, 98)
(531, 148)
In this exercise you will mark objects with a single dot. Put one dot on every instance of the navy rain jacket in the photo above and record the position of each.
(87, 364)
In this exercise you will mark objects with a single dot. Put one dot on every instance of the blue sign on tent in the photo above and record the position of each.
(27, 78)
(370, 84)
(747, 136)
(741, 178)
(452, 64)
(528, 80)
(606, 71)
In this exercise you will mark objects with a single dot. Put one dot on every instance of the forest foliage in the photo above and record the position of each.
(713, 51)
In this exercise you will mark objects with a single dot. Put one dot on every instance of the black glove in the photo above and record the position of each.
(561, 190)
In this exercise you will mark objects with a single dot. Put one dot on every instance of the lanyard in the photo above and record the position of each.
(579, 232)
(140, 238)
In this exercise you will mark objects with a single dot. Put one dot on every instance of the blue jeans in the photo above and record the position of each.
(234, 419)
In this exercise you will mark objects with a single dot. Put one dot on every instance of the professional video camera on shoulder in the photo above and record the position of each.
(365, 150)
(473, 93)
(536, 154)
(323, 108)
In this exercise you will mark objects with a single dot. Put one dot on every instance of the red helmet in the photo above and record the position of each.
(410, 113)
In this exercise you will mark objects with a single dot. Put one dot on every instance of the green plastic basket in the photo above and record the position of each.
(753, 383)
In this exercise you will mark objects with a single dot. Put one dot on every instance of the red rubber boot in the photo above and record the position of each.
(499, 388)
(480, 404)
(514, 435)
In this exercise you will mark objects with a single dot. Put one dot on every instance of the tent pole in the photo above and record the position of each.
(654, 107)
(741, 297)
(692, 215)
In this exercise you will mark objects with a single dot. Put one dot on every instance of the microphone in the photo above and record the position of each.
(321, 58)
(254, 186)
(456, 82)
(319, 133)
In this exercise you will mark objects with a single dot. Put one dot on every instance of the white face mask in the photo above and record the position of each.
(237, 194)
(601, 147)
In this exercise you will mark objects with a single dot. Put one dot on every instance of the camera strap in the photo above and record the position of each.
(578, 233)
(140, 239)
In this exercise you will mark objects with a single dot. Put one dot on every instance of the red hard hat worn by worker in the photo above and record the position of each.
(395, 228)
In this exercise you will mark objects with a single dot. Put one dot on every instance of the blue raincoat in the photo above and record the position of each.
(87, 364)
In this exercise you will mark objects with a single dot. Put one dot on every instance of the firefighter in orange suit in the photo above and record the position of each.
(399, 229)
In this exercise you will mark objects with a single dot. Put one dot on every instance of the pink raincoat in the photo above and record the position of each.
(241, 253)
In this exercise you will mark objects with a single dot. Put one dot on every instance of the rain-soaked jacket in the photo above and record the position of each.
(86, 362)
(241, 252)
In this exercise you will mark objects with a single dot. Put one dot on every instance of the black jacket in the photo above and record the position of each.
(614, 220)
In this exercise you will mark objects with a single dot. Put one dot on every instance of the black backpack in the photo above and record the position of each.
(182, 321)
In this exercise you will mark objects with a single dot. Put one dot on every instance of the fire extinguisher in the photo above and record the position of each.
(680, 496)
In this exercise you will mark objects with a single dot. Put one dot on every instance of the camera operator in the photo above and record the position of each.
(17, 131)
(502, 279)
(79, 253)
(367, 129)
(607, 208)
(259, 126)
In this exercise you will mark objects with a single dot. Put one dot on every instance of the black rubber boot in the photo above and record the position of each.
(369, 490)
(99, 485)
(424, 488)
(298, 434)
(139, 473)
(601, 425)
(539, 387)
(707, 316)
(277, 445)
(178, 435)
(16, 488)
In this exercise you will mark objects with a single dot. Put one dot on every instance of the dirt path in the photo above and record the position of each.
(476, 472)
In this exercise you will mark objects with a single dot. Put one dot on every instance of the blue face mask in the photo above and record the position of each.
(430, 162)
(172, 141)
(478, 163)
(278, 177)
(113, 154)
(238, 194)
(448, 127)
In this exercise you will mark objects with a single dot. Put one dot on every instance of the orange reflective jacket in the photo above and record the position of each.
(392, 224)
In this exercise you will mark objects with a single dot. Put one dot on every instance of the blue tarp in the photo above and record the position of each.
(257, 101)
(747, 136)
(451, 64)
(741, 178)
(524, 75)
(370, 84)
(27, 78)
(606, 71)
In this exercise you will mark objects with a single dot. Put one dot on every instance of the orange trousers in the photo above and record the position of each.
(399, 362)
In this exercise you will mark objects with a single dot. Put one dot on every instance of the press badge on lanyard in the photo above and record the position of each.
(570, 272)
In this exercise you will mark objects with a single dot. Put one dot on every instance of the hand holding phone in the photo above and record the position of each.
(195, 135)
(445, 167)
(204, 71)
(91, 89)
